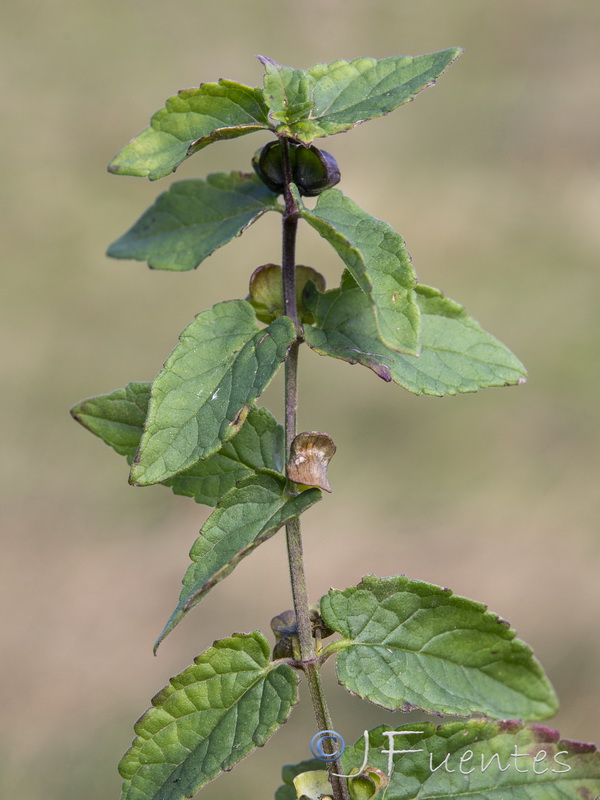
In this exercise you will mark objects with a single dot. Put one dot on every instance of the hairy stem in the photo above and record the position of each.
(293, 534)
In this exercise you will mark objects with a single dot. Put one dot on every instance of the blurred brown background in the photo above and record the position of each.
(492, 177)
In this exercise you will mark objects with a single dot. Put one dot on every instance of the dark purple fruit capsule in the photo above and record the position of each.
(268, 165)
(313, 170)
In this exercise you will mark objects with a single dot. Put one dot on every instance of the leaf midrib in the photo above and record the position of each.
(346, 108)
(262, 208)
(431, 348)
(226, 534)
(226, 367)
(364, 276)
(225, 710)
(221, 124)
(194, 594)
(444, 659)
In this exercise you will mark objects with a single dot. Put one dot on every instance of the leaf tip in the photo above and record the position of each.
(510, 725)
(134, 476)
(579, 747)
(385, 375)
(544, 734)
(113, 167)
(265, 60)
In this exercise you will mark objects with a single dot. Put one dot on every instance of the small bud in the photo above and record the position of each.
(366, 785)
(310, 455)
(266, 291)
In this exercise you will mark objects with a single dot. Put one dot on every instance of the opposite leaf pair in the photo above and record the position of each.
(389, 316)
(404, 644)
(301, 104)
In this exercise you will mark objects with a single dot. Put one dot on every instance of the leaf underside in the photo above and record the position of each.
(258, 445)
(498, 762)
(201, 397)
(457, 355)
(377, 259)
(191, 120)
(118, 419)
(412, 645)
(193, 219)
(226, 704)
(246, 516)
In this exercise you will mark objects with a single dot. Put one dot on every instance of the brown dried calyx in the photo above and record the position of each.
(285, 629)
(310, 455)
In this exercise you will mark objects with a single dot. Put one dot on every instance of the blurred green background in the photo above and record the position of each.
(493, 178)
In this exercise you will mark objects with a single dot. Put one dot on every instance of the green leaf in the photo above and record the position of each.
(378, 261)
(349, 92)
(480, 760)
(457, 356)
(118, 419)
(409, 644)
(287, 790)
(287, 94)
(331, 98)
(201, 397)
(217, 711)
(191, 120)
(246, 516)
(258, 445)
(193, 218)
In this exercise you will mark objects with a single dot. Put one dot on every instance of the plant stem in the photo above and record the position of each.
(293, 534)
